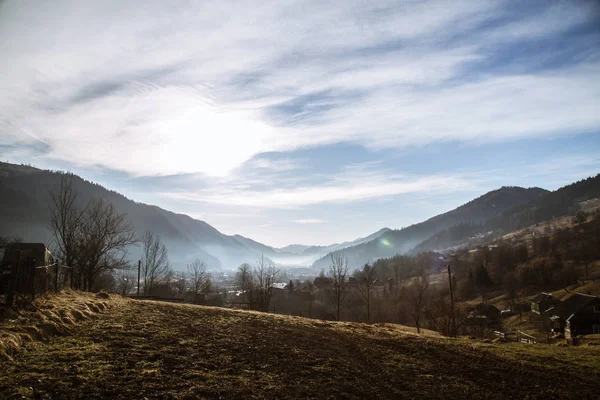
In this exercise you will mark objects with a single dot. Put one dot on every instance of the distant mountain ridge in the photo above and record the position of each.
(294, 248)
(305, 255)
(401, 241)
(561, 202)
(24, 212)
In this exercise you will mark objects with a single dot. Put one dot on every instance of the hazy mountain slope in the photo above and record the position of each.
(320, 251)
(308, 254)
(24, 212)
(258, 247)
(452, 236)
(400, 241)
(294, 248)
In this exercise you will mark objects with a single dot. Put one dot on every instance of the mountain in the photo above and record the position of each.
(268, 251)
(561, 202)
(401, 241)
(294, 248)
(317, 252)
(303, 254)
(24, 213)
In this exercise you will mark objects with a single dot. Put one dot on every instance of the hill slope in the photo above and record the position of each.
(400, 241)
(24, 212)
(160, 350)
(561, 202)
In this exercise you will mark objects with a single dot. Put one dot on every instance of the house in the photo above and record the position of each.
(543, 302)
(578, 315)
(486, 310)
(279, 286)
(31, 258)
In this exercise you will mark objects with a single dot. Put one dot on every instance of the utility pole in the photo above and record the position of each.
(56, 276)
(453, 320)
(139, 269)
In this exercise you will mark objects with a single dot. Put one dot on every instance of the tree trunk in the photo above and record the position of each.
(369, 305)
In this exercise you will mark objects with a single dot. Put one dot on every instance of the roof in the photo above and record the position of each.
(486, 309)
(36, 250)
(573, 304)
(544, 296)
(279, 285)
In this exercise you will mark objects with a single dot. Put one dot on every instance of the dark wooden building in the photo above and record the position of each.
(487, 310)
(26, 264)
(543, 302)
(577, 315)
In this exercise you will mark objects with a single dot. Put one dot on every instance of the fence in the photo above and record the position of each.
(525, 338)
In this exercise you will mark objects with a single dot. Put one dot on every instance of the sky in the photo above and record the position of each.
(303, 121)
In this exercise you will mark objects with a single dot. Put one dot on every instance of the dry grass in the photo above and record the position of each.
(48, 316)
(163, 350)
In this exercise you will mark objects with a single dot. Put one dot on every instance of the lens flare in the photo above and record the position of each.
(385, 242)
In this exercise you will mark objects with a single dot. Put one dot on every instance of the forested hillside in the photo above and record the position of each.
(400, 241)
(561, 202)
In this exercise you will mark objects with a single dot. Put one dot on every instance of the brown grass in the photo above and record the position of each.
(48, 316)
(173, 351)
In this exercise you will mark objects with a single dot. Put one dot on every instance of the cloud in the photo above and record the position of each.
(155, 90)
(309, 221)
(359, 182)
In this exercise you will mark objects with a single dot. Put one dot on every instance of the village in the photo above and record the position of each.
(570, 315)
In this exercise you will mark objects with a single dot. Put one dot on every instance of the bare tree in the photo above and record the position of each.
(310, 288)
(92, 240)
(180, 282)
(66, 223)
(126, 281)
(105, 237)
(155, 261)
(417, 299)
(339, 286)
(7, 240)
(366, 279)
(199, 278)
(511, 287)
(245, 282)
(442, 318)
(265, 274)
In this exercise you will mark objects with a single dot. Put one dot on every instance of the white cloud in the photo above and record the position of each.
(309, 221)
(356, 183)
(152, 89)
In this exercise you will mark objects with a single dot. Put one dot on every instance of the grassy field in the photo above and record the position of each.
(135, 349)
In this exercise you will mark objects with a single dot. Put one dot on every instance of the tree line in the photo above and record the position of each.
(416, 289)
